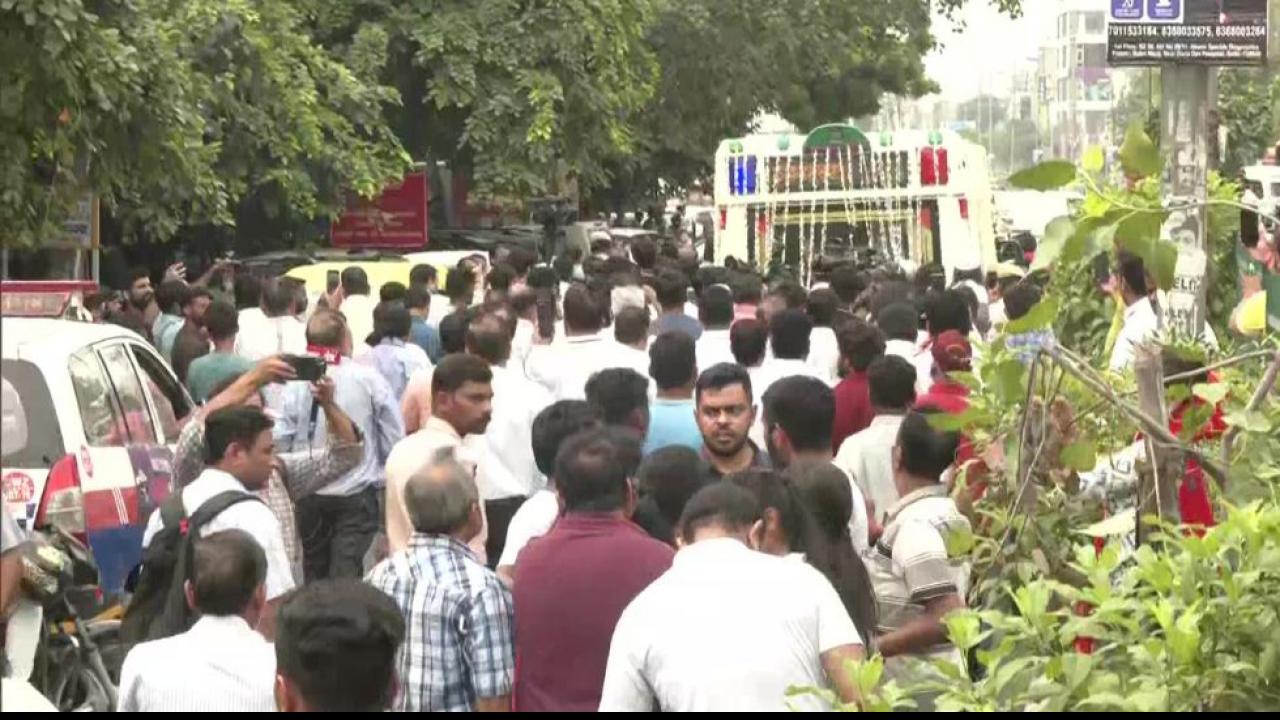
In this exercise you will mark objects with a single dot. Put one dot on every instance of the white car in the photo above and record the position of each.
(90, 416)
(1263, 182)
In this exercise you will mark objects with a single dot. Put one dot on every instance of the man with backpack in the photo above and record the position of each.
(239, 461)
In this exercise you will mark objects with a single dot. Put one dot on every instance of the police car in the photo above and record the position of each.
(90, 416)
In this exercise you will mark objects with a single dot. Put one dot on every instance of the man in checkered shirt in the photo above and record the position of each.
(458, 652)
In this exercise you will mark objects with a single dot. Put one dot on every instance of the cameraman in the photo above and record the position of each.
(296, 475)
(338, 523)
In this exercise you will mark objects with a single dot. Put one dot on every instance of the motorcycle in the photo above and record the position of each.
(65, 635)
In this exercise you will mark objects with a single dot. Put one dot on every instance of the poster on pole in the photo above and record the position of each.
(1187, 32)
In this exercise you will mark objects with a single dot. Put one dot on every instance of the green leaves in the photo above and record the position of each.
(959, 542)
(192, 113)
(1138, 155)
(1040, 316)
(1056, 236)
(1080, 455)
(1048, 175)
(964, 629)
(1253, 421)
(1212, 393)
(1139, 233)
(1093, 160)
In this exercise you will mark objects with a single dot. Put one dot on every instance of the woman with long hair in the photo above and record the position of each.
(825, 491)
(789, 527)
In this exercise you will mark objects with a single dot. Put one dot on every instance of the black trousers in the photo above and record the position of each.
(499, 513)
(336, 532)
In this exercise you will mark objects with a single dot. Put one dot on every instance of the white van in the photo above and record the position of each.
(90, 413)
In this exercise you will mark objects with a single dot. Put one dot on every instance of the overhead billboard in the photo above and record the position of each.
(1187, 32)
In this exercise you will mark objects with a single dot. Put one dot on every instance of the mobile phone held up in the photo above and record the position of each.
(307, 367)
(332, 281)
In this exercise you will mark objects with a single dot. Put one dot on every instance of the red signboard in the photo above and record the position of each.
(395, 219)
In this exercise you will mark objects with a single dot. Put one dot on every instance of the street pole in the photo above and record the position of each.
(1184, 113)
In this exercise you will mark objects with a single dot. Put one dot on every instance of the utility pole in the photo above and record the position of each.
(1188, 40)
(1187, 93)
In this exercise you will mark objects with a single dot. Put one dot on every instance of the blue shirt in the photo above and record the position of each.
(363, 395)
(1026, 345)
(671, 422)
(427, 338)
(397, 361)
(678, 322)
(164, 331)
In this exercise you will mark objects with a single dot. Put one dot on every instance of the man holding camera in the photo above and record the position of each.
(340, 521)
(295, 475)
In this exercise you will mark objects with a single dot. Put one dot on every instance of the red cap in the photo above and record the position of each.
(952, 352)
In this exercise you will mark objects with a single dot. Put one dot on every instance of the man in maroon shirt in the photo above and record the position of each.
(572, 584)
(860, 343)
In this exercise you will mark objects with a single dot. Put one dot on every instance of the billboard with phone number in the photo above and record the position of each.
(396, 219)
(1190, 32)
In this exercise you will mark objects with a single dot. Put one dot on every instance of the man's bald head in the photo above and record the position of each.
(440, 497)
(327, 329)
(489, 337)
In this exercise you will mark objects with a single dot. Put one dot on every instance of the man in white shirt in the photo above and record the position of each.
(715, 310)
(824, 349)
(749, 341)
(277, 331)
(728, 628)
(248, 293)
(508, 473)
(357, 306)
(241, 454)
(524, 304)
(461, 405)
(789, 332)
(900, 323)
(1140, 321)
(221, 664)
(564, 366)
(631, 340)
(799, 414)
(867, 456)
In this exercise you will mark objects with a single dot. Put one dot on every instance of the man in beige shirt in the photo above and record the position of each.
(461, 405)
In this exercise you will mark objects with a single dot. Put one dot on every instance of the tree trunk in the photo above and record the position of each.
(1158, 487)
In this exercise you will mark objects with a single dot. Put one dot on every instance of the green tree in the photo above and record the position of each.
(1249, 110)
(179, 113)
(723, 63)
(528, 98)
(1140, 103)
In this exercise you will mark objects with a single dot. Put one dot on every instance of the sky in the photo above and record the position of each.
(992, 45)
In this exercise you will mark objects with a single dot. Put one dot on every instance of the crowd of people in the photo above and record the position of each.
(624, 481)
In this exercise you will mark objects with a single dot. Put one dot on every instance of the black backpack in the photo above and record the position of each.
(158, 607)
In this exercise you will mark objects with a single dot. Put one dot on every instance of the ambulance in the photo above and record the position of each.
(912, 198)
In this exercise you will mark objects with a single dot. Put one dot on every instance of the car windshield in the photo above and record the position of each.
(27, 402)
